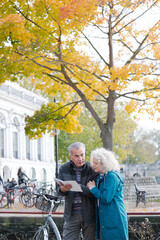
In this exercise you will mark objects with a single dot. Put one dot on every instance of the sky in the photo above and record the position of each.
(148, 124)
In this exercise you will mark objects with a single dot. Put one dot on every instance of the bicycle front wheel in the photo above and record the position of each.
(53, 231)
(3, 199)
(41, 234)
(26, 198)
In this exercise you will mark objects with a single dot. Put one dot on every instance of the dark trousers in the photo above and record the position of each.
(72, 228)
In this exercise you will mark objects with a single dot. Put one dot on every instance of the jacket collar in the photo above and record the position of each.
(74, 166)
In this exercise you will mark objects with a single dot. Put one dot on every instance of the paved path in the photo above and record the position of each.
(150, 207)
(130, 206)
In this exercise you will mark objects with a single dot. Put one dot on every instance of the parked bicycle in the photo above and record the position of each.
(30, 183)
(8, 197)
(46, 188)
(47, 203)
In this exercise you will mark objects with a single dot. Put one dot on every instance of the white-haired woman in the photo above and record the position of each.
(111, 215)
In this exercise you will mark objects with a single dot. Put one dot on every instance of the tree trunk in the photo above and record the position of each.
(108, 137)
(107, 129)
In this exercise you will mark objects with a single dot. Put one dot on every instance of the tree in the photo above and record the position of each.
(43, 39)
(155, 138)
(123, 134)
(145, 147)
(90, 136)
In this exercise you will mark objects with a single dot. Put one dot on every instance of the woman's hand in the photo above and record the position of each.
(91, 184)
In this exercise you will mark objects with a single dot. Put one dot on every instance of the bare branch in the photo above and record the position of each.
(133, 20)
(138, 91)
(96, 50)
(33, 60)
(137, 50)
(86, 84)
(124, 44)
(25, 16)
(56, 78)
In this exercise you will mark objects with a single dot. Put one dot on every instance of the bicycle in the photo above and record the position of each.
(46, 188)
(8, 197)
(47, 203)
(29, 183)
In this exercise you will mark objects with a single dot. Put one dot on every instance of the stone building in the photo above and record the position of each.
(36, 157)
(141, 169)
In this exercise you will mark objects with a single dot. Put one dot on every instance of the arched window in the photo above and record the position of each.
(6, 173)
(28, 148)
(16, 122)
(43, 175)
(15, 144)
(2, 135)
(16, 125)
(33, 173)
(39, 148)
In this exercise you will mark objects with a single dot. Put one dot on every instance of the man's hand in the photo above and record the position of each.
(65, 188)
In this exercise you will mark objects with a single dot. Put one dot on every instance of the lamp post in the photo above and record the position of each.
(0, 152)
(56, 152)
(137, 164)
(56, 132)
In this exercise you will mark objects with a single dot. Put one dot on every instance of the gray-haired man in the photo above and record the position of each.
(79, 210)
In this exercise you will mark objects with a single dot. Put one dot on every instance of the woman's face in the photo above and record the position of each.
(97, 166)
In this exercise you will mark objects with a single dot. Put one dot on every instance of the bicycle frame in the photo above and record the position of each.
(30, 183)
(49, 223)
(10, 198)
(52, 223)
(47, 188)
(9, 192)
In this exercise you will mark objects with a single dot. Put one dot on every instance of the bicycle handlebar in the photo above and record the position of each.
(51, 197)
(48, 197)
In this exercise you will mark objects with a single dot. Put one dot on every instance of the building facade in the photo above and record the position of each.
(36, 157)
(141, 169)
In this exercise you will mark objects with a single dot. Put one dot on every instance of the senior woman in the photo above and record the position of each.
(111, 216)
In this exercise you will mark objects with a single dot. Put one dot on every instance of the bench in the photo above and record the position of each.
(147, 192)
(140, 196)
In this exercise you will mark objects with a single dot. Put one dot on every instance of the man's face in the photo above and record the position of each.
(78, 157)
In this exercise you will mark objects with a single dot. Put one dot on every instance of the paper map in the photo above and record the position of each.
(75, 186)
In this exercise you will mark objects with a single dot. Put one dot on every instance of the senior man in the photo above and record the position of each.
(79, 212)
